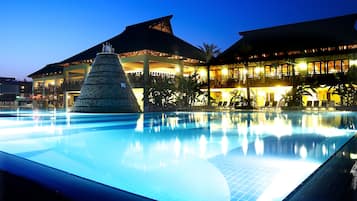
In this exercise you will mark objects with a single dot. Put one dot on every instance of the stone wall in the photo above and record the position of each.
(106, 88)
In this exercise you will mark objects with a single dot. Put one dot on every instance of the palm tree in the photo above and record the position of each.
(187, 90)
(210, 51)
(345, 87)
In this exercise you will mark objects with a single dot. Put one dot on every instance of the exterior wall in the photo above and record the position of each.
(14, 93)
(268, 80)
(271, 80)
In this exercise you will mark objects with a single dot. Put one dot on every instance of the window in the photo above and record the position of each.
(338, 65)
(345, 65)
(285, 70)
(331, 67)
(310, 68)
(318, 67)
(267, 71)
(323, 67)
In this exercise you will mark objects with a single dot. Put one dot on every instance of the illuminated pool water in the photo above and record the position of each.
(182, 156)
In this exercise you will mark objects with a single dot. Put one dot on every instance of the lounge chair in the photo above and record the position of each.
(267, 104)
(275, 103)
(331, 105)
(324, 103)
(231, 104)
(309, 104)
(224, 103)
(316, 103)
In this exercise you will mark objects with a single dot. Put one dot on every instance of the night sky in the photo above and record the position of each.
(38, 32)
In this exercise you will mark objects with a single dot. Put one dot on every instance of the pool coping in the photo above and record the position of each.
(333, 180)
(18, 173)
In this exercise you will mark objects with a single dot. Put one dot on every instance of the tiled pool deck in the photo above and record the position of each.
(333, 180)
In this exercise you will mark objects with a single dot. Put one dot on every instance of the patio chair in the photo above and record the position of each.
(324, 103)
(275, 103)
(316, 103)
(267, 104)
(231, 104)
(309, 104)
(331, 105)
(224, 103)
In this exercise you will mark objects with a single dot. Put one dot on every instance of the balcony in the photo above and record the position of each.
(253, 82)
(74, 85)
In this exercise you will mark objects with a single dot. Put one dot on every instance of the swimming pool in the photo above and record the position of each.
(182, 155)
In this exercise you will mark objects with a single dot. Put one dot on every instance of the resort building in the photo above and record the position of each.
(263, 64)
(270, 61)
(14, 93)
(146, 49)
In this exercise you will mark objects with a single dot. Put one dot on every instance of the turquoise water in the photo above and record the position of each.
(182, 156)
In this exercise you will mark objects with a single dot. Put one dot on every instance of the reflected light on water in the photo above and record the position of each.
(290, 175)
(303, 152)
(324, 150)
(68, 119)
(224, 144)
(140, 124)
(203, 146)
(259, 146)
(245, 145)
(177, 147)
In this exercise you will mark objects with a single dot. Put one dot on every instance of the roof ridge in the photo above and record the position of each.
(242, 33)
(149, 22)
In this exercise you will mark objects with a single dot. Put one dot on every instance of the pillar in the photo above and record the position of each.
(146, 72)
(181, 67)
(65, 100)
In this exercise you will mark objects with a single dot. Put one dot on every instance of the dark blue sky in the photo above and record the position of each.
(37, 32)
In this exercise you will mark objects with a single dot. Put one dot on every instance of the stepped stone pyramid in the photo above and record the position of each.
(106, 88)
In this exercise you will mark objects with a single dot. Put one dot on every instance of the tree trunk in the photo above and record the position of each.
(247, 86)
(208, 85)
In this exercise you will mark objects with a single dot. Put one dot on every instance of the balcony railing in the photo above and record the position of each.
(74, 85)
(49, 90)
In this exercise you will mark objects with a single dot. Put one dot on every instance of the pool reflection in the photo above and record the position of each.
(147, 151)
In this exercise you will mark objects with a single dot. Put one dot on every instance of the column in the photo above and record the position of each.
(55, 94)
(65, 100)
(181, 67)
(43, 88)
(146, 72)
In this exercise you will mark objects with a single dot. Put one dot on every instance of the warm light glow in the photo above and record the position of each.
(203, 73)
(258, 70)
(177, 69)
(302, 66)
(353, 156)
(225, 95)
(353, 62)
(224, 71)
(245, 71)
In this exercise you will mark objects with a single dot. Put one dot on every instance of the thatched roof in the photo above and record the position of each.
(330, 32)
(153, 35)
